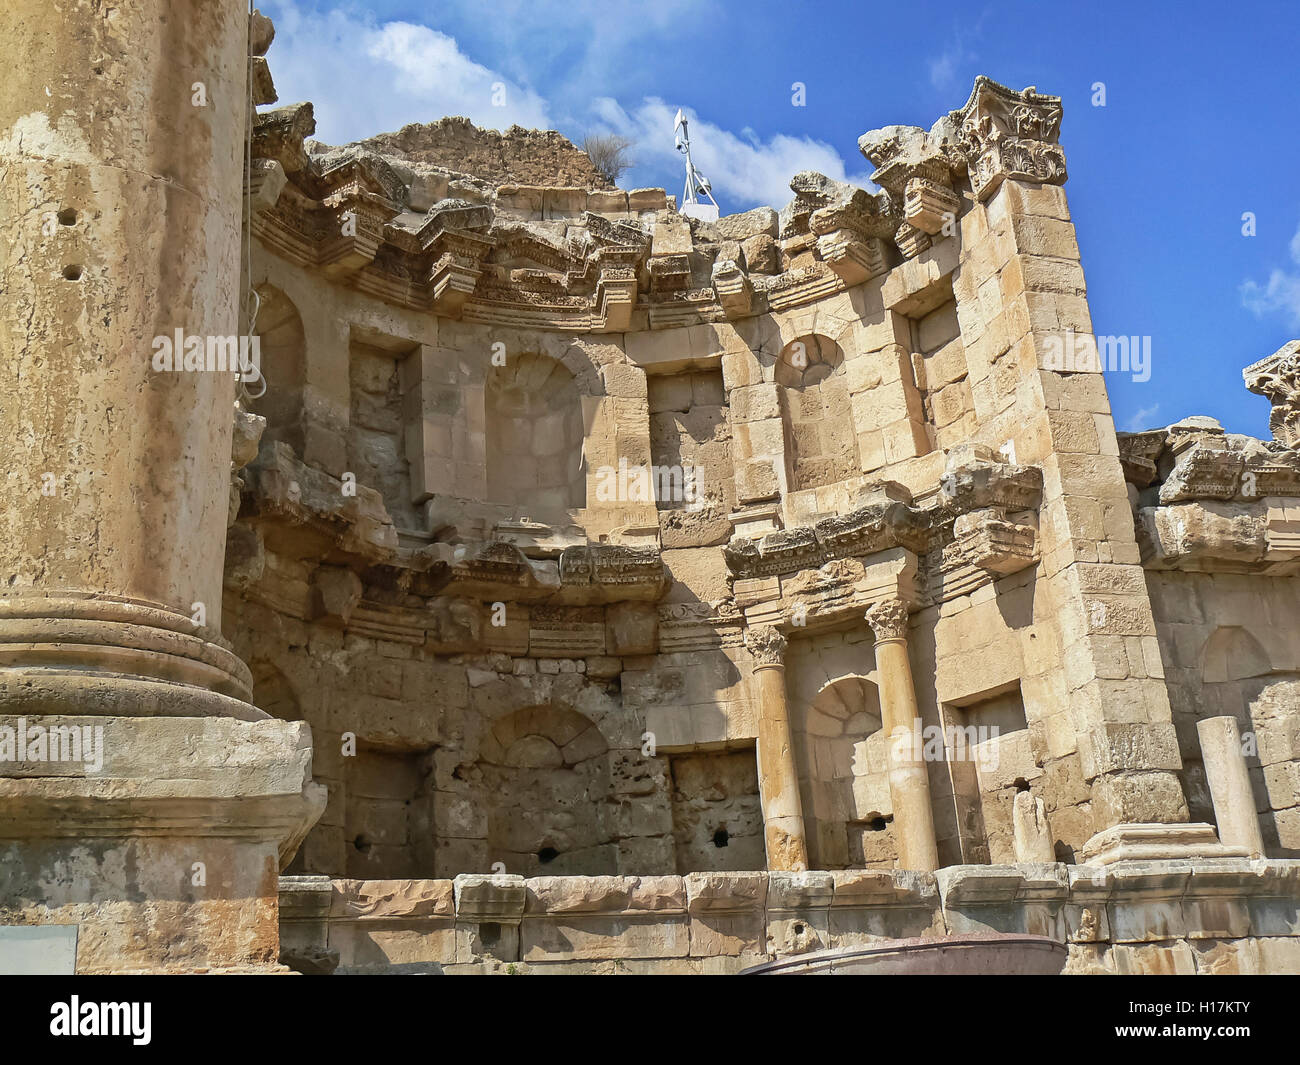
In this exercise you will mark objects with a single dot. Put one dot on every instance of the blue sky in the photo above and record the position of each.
(1199, 127)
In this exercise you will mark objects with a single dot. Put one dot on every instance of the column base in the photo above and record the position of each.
(163, 842)
(1156, 842)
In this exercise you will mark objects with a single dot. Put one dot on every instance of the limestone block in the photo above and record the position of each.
(1153, 959)
(727, 912)
(761, 254)
(604, 917)
(1271, 894)
(498, 897)
(1043, 235)
(870, 905)
(1004, 898)
(1279, 956)
(1111, 747)
(631, 629)
(798, 918)
(671, 236)
(759, 221)
(752, 403)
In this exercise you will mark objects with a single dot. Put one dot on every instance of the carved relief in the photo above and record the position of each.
(1277, 378)
(767, 646)
(1004, 134)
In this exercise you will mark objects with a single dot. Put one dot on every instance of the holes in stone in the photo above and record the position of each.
(72, 273)
(798, 928)
(547, 854)
(877, 823)
(362, 843)
(1021, 784)
(68, 216)
(721, 838)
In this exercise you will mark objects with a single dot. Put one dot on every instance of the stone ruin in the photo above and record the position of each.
(587, 588)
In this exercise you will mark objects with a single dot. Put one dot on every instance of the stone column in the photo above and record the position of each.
(778, 778)
(909, 780)
(121, 172)
(1229, 780)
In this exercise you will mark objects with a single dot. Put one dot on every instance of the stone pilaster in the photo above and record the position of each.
(778, 777)
(121, 146)
(909, 781)
(1036, 381)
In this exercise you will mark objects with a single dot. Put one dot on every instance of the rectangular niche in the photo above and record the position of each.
(377, 430)
(940, 369)
(388, 815)
(690, 452)
(717, 817)
(992, 761)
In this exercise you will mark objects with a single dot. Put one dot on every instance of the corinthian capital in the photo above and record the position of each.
(888, 619)
(1278, 378)
(766, 644)
(1009, 134)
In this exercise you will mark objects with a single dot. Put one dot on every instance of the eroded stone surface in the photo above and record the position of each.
(595, 560)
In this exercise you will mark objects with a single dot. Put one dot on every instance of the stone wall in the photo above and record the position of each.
(632, 543)
(517, 155)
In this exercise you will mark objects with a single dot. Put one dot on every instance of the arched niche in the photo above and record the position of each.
(273, 693)
(283, 348)
(821, 447)
(846, 776)
(1231, 653)
(546, 775)
(534, 437)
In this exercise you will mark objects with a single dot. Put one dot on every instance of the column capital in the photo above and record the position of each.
(767, 645)
(1009, 134)
(888, 619)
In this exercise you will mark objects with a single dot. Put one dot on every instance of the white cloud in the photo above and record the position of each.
(948, 69)
(578, 44)
(742, 171)
(1280, 294)
(366, 78)
(1142, 419)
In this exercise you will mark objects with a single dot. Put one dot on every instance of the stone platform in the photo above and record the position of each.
(1198, 916)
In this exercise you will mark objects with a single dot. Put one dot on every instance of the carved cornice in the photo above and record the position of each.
(888, 521)
(767, 646)
(1210, 536)
(578, 269)
(732, 288)
(888, 619)
(1138, 453)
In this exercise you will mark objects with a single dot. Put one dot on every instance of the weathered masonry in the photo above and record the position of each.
(611, 590)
